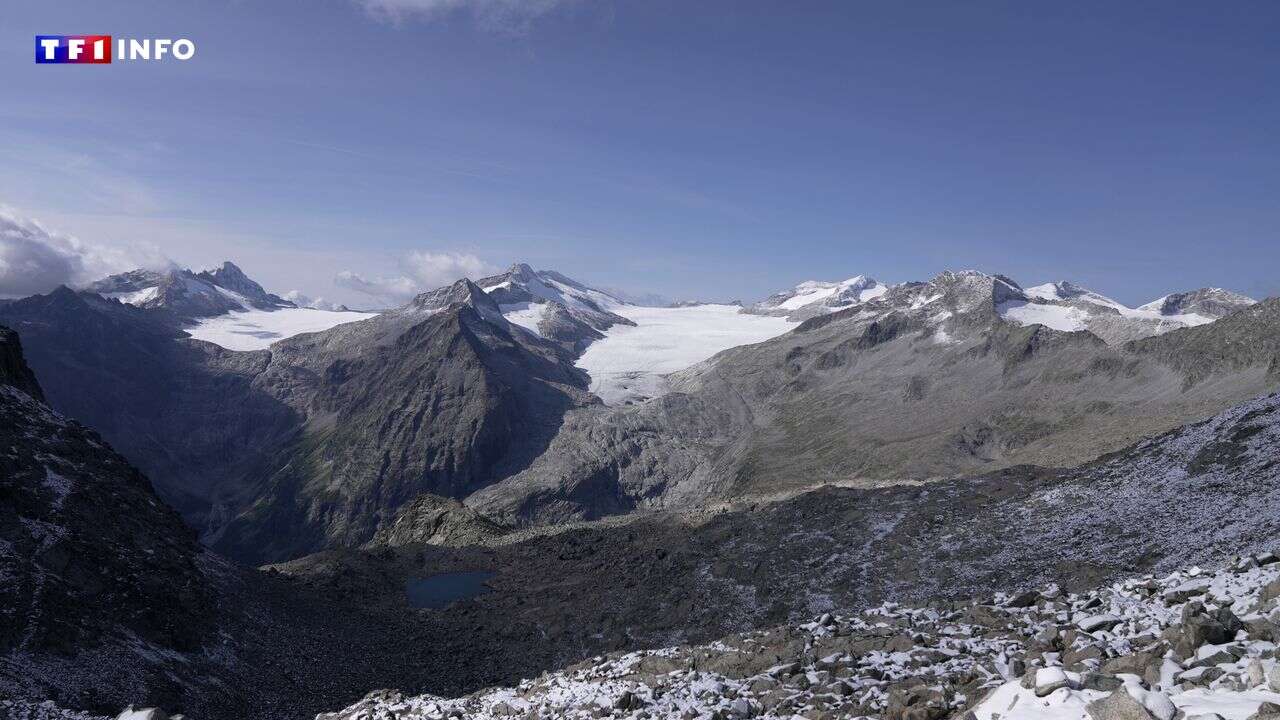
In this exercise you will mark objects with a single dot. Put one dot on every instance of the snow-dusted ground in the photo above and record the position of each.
(628, 364)
(257, 329)
(1138, 645)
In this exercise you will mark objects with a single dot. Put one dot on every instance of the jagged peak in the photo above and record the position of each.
(463, 292)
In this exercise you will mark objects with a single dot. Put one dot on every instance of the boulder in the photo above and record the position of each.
(1100, 682)
(1186, 591)
(1255, 673)
(1048, 680)
(1119, 705)
(1096, 623)
(916, 701)
(1025, 600)
(1266, 711)
(1201, 626)
(1135, 664)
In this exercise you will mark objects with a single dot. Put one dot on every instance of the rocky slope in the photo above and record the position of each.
(93, 564)
(928, 380)
(434, 520)
(71, 578)
(1148, 648)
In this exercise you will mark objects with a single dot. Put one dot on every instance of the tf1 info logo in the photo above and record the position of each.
(97, 49)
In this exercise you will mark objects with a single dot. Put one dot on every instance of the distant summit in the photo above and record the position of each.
(190, 295)
(814, 297)
(553, 306)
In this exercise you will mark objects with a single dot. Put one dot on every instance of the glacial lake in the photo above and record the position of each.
(440, 591)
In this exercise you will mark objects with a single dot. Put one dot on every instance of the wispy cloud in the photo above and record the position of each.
(422, 271)
(35, 259)
(510, 17)
(317, 303)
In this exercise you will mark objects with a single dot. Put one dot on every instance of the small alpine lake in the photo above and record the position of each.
(442, 590)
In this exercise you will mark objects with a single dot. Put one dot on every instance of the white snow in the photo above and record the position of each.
(837, 294)
(257, 329)
(873, 292)
(1053, 293)
(628, 364)
(564, 294)
(807, 293)
(526, 315)
(1057, 317)
(137, 297)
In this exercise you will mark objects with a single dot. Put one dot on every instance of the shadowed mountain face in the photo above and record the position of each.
(186, 412)
(90, 558)
(444, 407)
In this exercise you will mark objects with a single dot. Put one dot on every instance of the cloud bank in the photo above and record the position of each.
(35, 259)
(306, 301)
(422, 271)
(513, 17)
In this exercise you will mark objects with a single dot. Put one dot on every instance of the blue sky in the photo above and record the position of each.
(703, 149)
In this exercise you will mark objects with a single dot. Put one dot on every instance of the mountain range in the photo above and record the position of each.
(626, 476)
(471, 392)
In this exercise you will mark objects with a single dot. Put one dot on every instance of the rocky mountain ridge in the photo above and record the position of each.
(1059, 305)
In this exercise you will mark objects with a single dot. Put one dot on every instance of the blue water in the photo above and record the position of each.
(439, 591)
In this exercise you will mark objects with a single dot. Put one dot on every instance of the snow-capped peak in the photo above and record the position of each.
(188, 294)
(1208, 302)
(1066, 290)
(522, 284)
(819, 296)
